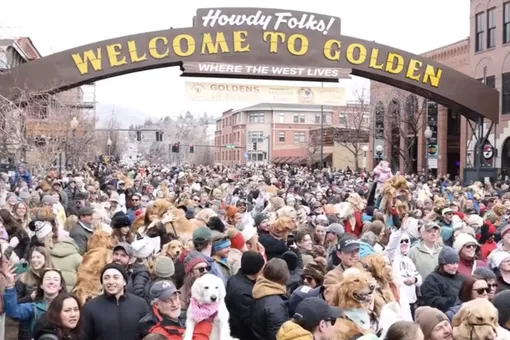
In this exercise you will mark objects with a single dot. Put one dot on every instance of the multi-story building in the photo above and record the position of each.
(276, 132)
(484, 55)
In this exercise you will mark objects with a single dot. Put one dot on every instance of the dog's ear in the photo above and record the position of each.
(197, 289)
(461, 315)
(222, 290)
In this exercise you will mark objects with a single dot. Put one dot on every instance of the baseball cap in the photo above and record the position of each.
(311, 311)
(202, 234)
(335, 228)
(162, 290)
(348, 244)
(430, 225)
(124, 246)
(446, 211)
(85, 211)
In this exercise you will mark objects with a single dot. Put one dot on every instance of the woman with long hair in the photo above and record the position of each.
(20, 213)
(52, 283)
(472, 288)
(62, 320)
(15, 230)
(26, 284)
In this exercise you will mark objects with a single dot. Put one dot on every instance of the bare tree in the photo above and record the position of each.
(312, 149)
(111, 134)
(352, 131)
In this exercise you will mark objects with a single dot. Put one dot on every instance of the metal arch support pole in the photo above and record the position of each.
(479, 147)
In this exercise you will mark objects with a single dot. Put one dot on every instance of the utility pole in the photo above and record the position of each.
(322, 133)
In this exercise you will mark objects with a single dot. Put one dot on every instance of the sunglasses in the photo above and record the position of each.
(196, 200)
(308, 278)
(201, 270)
(493, 285)
(480, 291)
(404, 241)
(470, 246)
(331, 320)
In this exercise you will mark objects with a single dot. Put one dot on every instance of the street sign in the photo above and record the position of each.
(246, 155)
(230, 146)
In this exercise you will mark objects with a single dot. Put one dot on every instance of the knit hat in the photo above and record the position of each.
(237, 241)
(427, 318)
(202, 234)
(291, 258)
(504, 230)
(448, 255)
(117, 267)
(24, 194)
(48, 199)
(192, 259)
(164, 267)
(11, 194)
(222, 242)
(314, 270)
(463, 239)
(142, 248)
(215, 223)
(259, 218)
(484, 273)
(502, 303)
(42, 229)
(497, 257)
(120, 219)
(252, 262)
(248, 232)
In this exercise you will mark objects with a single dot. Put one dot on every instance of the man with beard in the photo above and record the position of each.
(114, 314)
(167, 318)
(434, 324)
(138, 274)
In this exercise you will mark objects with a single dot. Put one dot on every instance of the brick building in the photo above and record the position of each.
(278, 132)
(484, 55)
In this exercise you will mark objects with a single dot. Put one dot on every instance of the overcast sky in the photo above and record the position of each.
(55, 25)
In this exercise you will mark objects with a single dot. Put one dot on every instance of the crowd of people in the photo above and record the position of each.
(127, 253)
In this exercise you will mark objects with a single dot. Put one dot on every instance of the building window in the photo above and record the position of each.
(491, 28)
(505, 92)
(506, 23)
(299, 117)
(479, 32)
(317, 118)
(281, 137)
(490, 82)
(255, 136)
(342, 119)
(282, 117)
(299, 137)
(256, 118)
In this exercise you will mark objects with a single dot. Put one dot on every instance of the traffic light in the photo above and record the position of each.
(139, 135)
(255, 146)
(175, 148)
(159, 136)
(191, 149)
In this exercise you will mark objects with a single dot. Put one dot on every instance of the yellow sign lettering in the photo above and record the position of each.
(240, 40)
(153, 48)
(332, 49)
(190, 45)
(432, 76)
(273, 40)
(356, 58)
(133, 53)
(211, 47)
(391, 66)
(373, 60)
(114, 51)
(413, 68)
(82, 63)
(291, 44)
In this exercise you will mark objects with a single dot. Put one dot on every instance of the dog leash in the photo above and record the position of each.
(479, 324)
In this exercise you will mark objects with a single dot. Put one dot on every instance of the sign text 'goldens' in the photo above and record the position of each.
(284, 44)
(275, 21)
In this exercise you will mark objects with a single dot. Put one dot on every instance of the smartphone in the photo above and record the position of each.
(290, 240)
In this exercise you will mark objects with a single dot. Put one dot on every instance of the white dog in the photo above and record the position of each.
(208, 302)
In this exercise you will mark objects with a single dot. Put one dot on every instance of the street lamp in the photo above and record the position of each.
(378, 152)
(365, 150)
(428, 135)
(109, 143)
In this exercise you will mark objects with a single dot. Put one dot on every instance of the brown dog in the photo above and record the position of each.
(173, 249)
(476, 320)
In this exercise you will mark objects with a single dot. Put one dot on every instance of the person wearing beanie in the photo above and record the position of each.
(441, 288)
(261, 221)
(121, 226)
(114, 314)
(220, 252)
(502, 303)
(467, 246)
(433, 323)
(313, 274)
(484, 273)
(502, 246)
(239, 298)
(237, 247)
(294, 263)
(203, 242)
(163, 270)
(195, 264)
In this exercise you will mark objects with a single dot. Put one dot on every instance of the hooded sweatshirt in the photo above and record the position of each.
(270, 310)
(65, 257)
(292, 331)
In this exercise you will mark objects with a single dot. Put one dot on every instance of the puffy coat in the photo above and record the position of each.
(273, 247)
(239, 303)
(139, 278)
(292, 331)
(66, 258)
(441, 290)
(270, 310)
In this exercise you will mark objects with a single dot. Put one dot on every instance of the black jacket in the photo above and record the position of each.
(269, 314)
(273, 247)
(44, 330)
(441, 290)
(138, 279)
(239, 303)
(107, 318)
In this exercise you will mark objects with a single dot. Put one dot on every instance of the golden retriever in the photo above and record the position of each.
(476, 320)
(99, 254)
(354, 292)
(173, 249)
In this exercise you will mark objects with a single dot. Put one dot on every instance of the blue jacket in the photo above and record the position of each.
(26, 313)
(25, 177)
(215, 268)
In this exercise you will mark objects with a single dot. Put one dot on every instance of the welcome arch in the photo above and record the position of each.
(256, 43)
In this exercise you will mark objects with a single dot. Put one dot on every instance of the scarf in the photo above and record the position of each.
(202, 312)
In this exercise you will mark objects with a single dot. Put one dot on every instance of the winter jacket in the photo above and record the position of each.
(502, 284)
(273, 246)
(44, 330)
(441, 290)
(467, 268)
(65, 257)
(26, 313)
(139, 277)
(270, 310)
(452, 311)
(424, 261)
(81, 234)
(292, 331)
(105, 317)
(234, 260)
(239, 301)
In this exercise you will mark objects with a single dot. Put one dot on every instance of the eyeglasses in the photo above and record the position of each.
(201, 270)
(493, 285)
(331, 320)
(404, 241)
(470, 246)
(480, 291)
(308, 279)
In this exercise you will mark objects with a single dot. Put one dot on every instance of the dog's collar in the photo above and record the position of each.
(479, 324)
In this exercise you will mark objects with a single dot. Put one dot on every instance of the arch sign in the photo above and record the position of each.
(256, 43)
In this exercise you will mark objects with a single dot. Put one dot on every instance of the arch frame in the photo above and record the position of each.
(311, 52)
